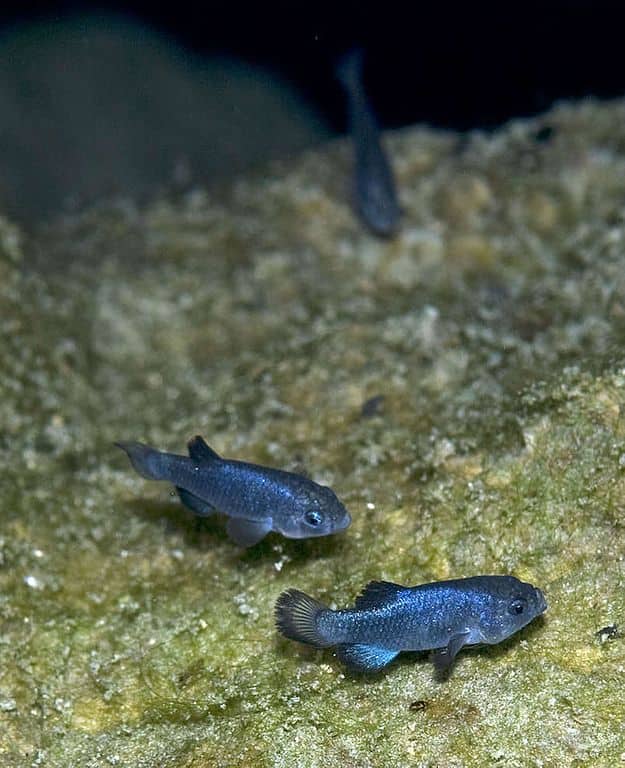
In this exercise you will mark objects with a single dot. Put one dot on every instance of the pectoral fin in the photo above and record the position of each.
(195, 503)
(443, 658)
(247, 532)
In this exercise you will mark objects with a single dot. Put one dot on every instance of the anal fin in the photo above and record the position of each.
(365, 658)
(195, 503)
(247, 532)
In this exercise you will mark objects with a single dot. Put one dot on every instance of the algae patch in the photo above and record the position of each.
(493, 327)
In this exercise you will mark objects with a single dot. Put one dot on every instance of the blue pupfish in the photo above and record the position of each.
(256, 499)
(443, 616)
(374, 185)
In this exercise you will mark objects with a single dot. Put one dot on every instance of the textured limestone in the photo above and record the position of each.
(494, 328)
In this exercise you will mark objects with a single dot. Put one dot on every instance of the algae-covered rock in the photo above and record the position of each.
(265, 319)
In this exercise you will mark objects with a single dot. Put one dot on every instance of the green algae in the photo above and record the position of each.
(494, 328)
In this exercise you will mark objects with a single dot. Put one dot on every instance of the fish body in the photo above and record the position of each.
(256, 499)
(374, 184)
(389, 618)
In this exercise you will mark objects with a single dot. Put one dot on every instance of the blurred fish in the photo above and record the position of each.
(374, 186)
(256, 499)
(389, 618)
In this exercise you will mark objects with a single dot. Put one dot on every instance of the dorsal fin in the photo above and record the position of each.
(200, 451)
(377, 593)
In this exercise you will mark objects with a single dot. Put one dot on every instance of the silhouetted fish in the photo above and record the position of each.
(374, 185)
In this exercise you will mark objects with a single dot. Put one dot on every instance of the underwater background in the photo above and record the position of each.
(460, 386)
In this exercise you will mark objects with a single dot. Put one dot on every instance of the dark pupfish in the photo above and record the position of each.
(443, 616)
(374, 185)
(256, 499)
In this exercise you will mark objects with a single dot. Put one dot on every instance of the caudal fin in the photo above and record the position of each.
(144, 459)
(297, 617)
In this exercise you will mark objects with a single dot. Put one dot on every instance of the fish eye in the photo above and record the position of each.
(312, 517)
(516, 607)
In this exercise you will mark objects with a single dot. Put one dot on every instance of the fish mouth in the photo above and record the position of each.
(344, 524)
(541, 602)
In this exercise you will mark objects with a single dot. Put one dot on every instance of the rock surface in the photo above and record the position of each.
(265, 319)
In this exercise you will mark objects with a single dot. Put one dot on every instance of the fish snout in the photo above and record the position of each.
(344, 523)
(541, 603)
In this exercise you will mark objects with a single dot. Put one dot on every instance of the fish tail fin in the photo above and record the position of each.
(297, 617)
(349, 68)
(144, 459)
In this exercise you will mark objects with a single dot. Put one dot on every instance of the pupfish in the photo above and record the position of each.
(374, 184)
(256, 499)
(443, 616)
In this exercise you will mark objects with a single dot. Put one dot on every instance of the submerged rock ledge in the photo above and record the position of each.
(494, 327)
